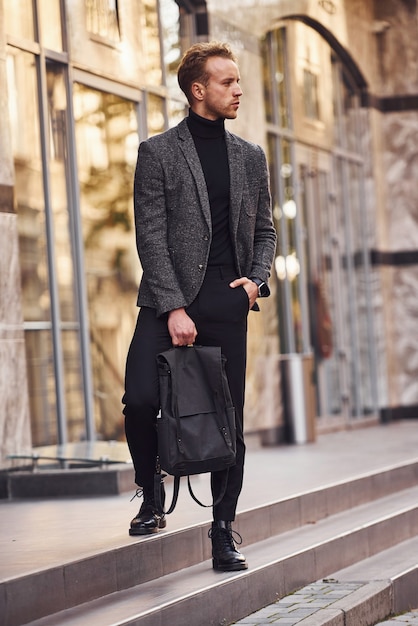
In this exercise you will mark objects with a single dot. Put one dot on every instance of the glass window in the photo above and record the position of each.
(57, 110)
(107, 146)
(41, 382)
(155, 114)
(103, 18)
(321, 225)
(275, 78)
(18, 18)
(310, 94)
(346, 106)
(24, 117)
(170, 29)
(50, 19)
(287, 262)
(151, 55)
(33, 250)
(61, 249)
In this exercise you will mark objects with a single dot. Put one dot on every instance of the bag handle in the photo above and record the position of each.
(158, 479)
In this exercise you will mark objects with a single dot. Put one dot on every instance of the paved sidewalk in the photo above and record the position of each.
(292, 610)
(407, 618)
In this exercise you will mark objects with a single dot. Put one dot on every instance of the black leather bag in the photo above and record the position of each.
(196, 425)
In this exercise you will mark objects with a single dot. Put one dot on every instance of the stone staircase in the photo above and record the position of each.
(167, 579)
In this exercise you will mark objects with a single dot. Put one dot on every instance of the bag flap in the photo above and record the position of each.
(190, 367)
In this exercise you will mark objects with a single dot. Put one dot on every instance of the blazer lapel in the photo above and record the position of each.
(236, 174)
(190, 154)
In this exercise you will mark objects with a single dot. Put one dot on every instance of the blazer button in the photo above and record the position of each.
(206, 238)
(200, 267)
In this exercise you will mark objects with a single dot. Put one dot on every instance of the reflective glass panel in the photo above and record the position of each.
(103, 18)
(275, 78)
(30, 205)
(346, 106)
(155, 114)
(310, 94)
(170, 27)
(62, 248)
(24, 119)
(57, 110)
(50, 18)
(107, 145)
(18, 18)
(176, 112)
(151, 43)
(41, 381)
(277, 216)
(292, 255)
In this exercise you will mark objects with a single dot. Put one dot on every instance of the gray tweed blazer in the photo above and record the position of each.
(173, 221)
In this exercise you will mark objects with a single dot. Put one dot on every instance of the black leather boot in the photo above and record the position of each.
(225, 556)
(149, 519)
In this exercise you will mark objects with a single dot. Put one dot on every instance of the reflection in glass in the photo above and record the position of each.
(30, 205)
(155, 114)
(321, 215)
(18, 18)
(24, 120)
(310, 94)
(107, 144)
(103, 18)
(346, 107)
(57, 107)
(176, 112)
(41, 382)
(50, 18)
(62, 249)
(170, 27)
(287, 262)
(151, 43)
(275, 78)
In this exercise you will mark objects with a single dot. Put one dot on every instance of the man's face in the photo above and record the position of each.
(221, 96)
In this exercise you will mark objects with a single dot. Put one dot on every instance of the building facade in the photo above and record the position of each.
(330, 92)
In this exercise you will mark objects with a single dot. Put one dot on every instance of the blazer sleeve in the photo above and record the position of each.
(151, 231)
(264, 234)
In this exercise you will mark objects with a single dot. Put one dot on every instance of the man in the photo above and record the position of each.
(206, 243)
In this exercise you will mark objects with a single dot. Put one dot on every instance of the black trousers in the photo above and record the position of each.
(220, 315)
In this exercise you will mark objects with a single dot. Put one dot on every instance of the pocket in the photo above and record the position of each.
(220, 302)
(246, 299)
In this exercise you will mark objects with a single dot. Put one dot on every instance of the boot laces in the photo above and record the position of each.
(138, 494)
(148, 499)
(226, 536)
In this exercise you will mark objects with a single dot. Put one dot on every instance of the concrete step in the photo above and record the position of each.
(104, 568)
(172, 581)
(363, 594)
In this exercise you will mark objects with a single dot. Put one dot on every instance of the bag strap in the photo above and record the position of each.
(219, 498)
(176, 488)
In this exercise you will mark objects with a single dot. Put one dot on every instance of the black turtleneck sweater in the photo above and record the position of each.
(209, 139)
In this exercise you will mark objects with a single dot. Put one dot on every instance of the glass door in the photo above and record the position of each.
(335, 283)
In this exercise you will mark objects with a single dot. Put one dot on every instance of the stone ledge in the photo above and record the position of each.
(110, 480)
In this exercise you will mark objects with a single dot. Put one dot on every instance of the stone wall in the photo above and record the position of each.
(401, 282)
